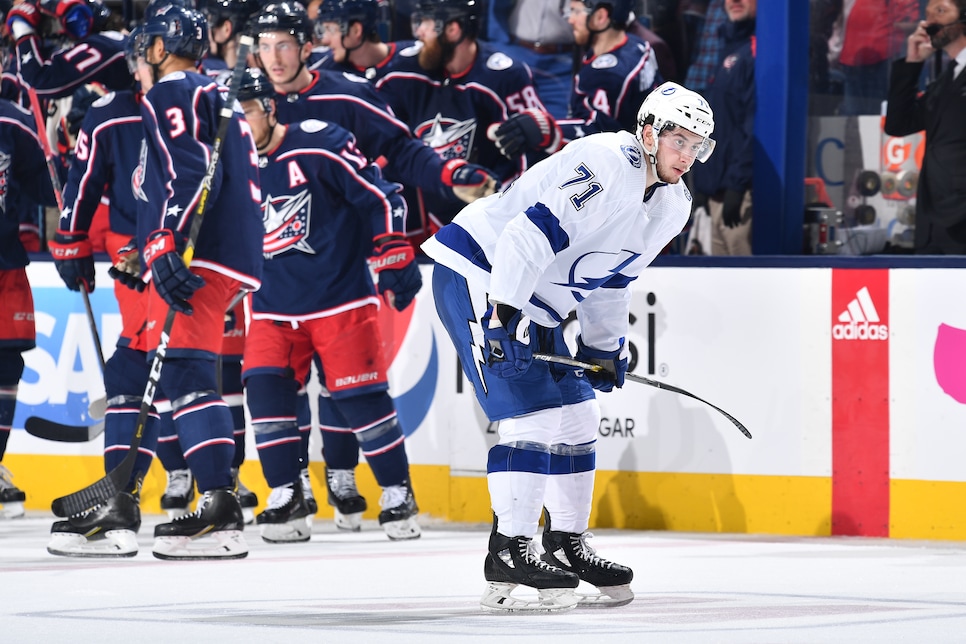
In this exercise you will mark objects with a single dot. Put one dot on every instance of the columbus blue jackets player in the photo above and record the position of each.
(284, 42)
(180, 112)
(22, 170)
(616, 72)
(93, 56)
(451, 88)
(600, 211)
(326, 210)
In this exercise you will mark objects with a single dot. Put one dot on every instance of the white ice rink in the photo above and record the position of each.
(362, 588)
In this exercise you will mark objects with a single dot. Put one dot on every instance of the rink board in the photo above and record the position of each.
(850, 380)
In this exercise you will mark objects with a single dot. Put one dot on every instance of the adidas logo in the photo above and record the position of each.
(860, 320)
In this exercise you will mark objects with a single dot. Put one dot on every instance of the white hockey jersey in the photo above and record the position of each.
(570, 234)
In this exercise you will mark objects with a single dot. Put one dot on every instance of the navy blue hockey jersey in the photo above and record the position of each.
(323, 203)
(23, 175)
(180, 116)
(98, 58)
(105, 160)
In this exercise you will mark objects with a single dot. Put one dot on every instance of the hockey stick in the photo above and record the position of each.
(61, 433)
(642, 380)
(115, 480)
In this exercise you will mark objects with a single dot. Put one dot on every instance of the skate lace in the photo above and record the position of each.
(280, 497)
(393, 496)
(202, 504)
(342, 483)
(307, 483)
(588, 554)
(529, 553)
(6, 479)
(179, 483)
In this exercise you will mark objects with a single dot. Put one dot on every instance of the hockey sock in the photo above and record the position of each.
(272, 401)
(169, 449)
(125, 375)
(374, 423)
(570, 487)
(303, 416)
(231, 393)
(11, 369)
(340, 447)
(517, 479)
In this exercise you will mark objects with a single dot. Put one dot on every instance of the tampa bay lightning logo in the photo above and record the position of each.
(591, 270)
(450, 138)
(633, 155)
(286, 221)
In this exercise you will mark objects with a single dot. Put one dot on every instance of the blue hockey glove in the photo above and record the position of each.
(613, 362)
(172, 279)
(731, 210)
(394, 263)
(529, 130)
(127, 270)
(469, 182)
(506, 334)
(74, 258)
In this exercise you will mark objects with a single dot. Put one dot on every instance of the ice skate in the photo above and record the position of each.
(179, 493)
(213, 531)
(106, 530)
(345, 498)
(11, 497)
(306, 482)
(247, 498)
(569, 551)
(399, 510)
(512, 562)
(287, 518)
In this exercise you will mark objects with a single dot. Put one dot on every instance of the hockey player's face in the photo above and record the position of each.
(577, 15)
(330, 35)
(677, 151)
(258, 120)
(280, 55)
(437, 47)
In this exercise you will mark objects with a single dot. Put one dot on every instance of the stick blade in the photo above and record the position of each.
(51, 431)
(94, 494)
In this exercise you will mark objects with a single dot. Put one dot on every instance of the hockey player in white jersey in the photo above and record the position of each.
(569, 235)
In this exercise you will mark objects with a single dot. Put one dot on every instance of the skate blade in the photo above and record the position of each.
(608, 597)
(402, 530)
(11, 510)
(350, 522)
(223, 544)
(294, 531)
(497, 597)
(115, 543)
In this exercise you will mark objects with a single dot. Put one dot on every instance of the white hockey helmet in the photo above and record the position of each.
(671, 105)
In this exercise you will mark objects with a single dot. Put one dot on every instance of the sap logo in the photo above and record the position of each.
(860, 320)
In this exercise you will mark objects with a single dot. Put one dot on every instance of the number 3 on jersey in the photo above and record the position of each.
(584, 176)
(176, 117)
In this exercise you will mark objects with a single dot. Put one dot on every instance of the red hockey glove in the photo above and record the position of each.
(172, 279)
(469, 182)
(23, 20)
(394, 263)
(74, 259)
(529, 130)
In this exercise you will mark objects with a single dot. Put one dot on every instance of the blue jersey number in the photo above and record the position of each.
(584, 175)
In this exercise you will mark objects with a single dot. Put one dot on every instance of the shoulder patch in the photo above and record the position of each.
(412, 50)
(355, 78)
(604, 62)
(313, 125)
(114, 35)
(173, 76)
(633, 155)
(499, 61)
(104, 100)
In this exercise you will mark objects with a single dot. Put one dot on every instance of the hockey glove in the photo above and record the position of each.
(614, 365)
(529, 130)
(398, 276)
(23, 20)
(731, 210)
(74, 258)
(506, 335)
(469, 182)
(127, 270)
(172, 279)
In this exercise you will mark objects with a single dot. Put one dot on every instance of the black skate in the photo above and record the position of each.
(512, 562)
(399, 510)
(287, 518)
(106, 530)
(213, 531)
(179, 493)
(569, 551)
(345, 498)
(306, 482)
(11, 497)
(246, 498)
